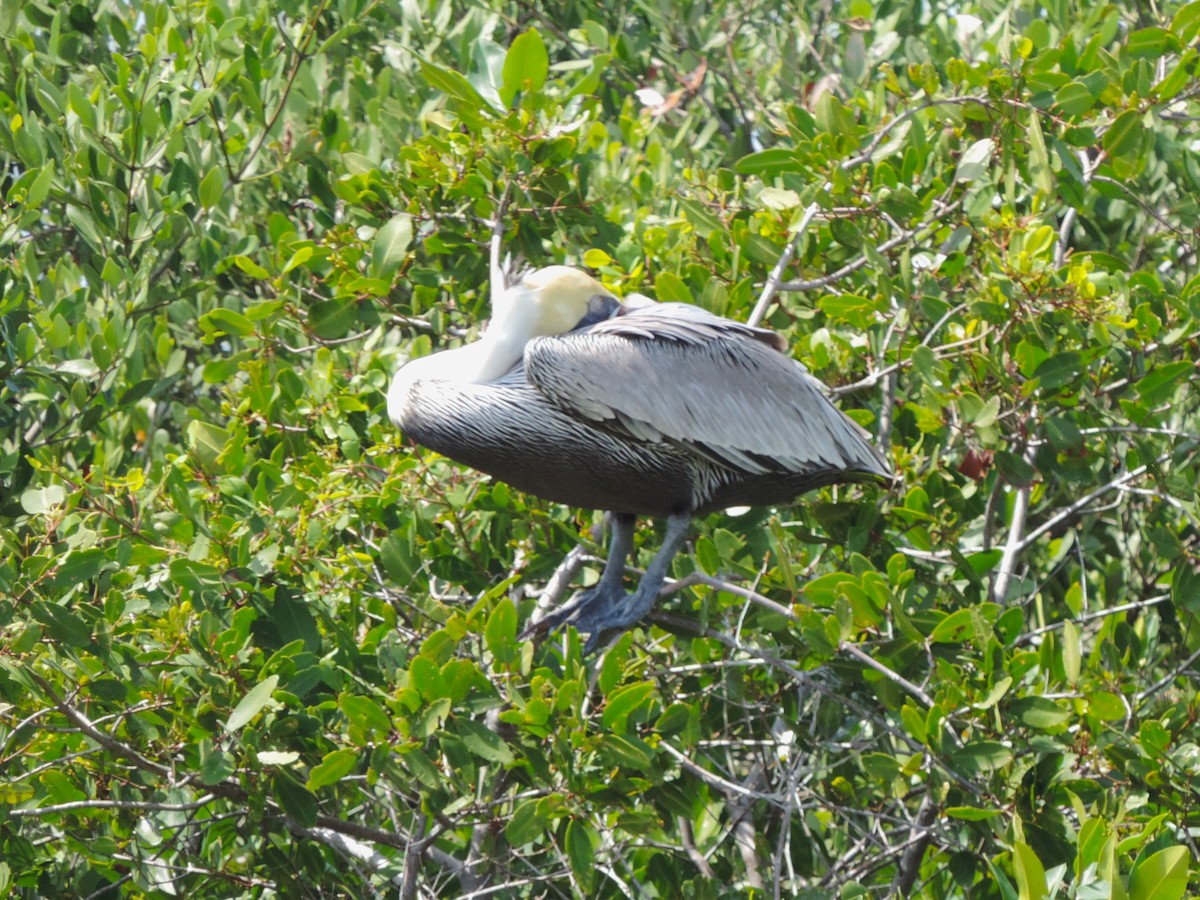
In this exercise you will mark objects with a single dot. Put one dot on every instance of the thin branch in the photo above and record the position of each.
(496, 245)
(695, 578)
(1026, 637)
(858, 262)
(1083, 502)
(688, 839)
(1167, 679)
(137, 805)
(1016, 528)
(773, 282)
(910, 860)
(717, 781)
(889, 674)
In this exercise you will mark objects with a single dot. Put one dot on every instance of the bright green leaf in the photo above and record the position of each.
(256, 699)
(525, 66)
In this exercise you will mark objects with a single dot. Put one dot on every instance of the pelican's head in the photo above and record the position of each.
(550, 301)
(542, 303)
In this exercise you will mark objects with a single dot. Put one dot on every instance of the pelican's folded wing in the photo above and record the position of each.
(678, 374)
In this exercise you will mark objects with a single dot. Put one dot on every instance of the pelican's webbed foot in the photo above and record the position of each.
(605, 611)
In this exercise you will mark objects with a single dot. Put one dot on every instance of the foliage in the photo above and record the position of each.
(255, 644)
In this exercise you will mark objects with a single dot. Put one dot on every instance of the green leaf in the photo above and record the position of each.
(1148, 43)
(483, 742)
(332, 319)
(332, 768)
(80, 368)
(580, 852)
(1031, 876)
(295, 800)
(624, 701)
(227, 321)
(81, 105)
(207, 442)
(36, 501)
(1059, 370)
(81, 566)
(957, 627)
(1124, 135)
(277, 757)
(525, 66)
(500, 632)
(972, 813)
(526, 824)
(1073, 99)
(975, 161)
(452, 83)
(216, 767)
(62, 624)
(212, 186)
(914, 723)
(627, 751)
(979, 757)
(596, 259)
(1072, 650)
(250, 705)
(250, 267)
(366, 716)
(1039, 159)
(1164, 876)
(774, 161)
(390, 248)
(40, 189)
(1040, 713)
(1161, 384)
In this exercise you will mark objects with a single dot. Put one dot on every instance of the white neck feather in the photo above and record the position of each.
(485, 360)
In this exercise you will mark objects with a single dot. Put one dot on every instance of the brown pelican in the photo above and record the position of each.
(661, 410)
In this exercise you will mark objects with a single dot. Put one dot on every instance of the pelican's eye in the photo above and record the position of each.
(600, 307)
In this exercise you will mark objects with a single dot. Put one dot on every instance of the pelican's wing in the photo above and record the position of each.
(676, 373)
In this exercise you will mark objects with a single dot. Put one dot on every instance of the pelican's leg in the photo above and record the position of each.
(609, 588)
(603, 621)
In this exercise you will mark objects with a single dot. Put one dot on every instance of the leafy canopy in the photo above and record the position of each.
(252, 644)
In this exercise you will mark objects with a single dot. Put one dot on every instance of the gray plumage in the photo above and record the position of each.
(662, 410)
(665, 409)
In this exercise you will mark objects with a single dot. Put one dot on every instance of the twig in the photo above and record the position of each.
(910, 861)
(558, 583)
(1163, 682)
(1083, 502)
(1016, 528)
(887, 673)
(136, 805)
(860, 261)
(717, 781)
(688, 839)
(1027, 636)
(359, 851)
(744, 835)
(776, 276)
(753, 596)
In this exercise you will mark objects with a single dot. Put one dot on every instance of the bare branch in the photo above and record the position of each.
(890, 675)
(776, 276)
(128, 805)
(1016, 528)
(717, 781)
(858, 262)
(721, 585)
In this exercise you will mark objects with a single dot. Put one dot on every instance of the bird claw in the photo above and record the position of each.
(601, 613)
